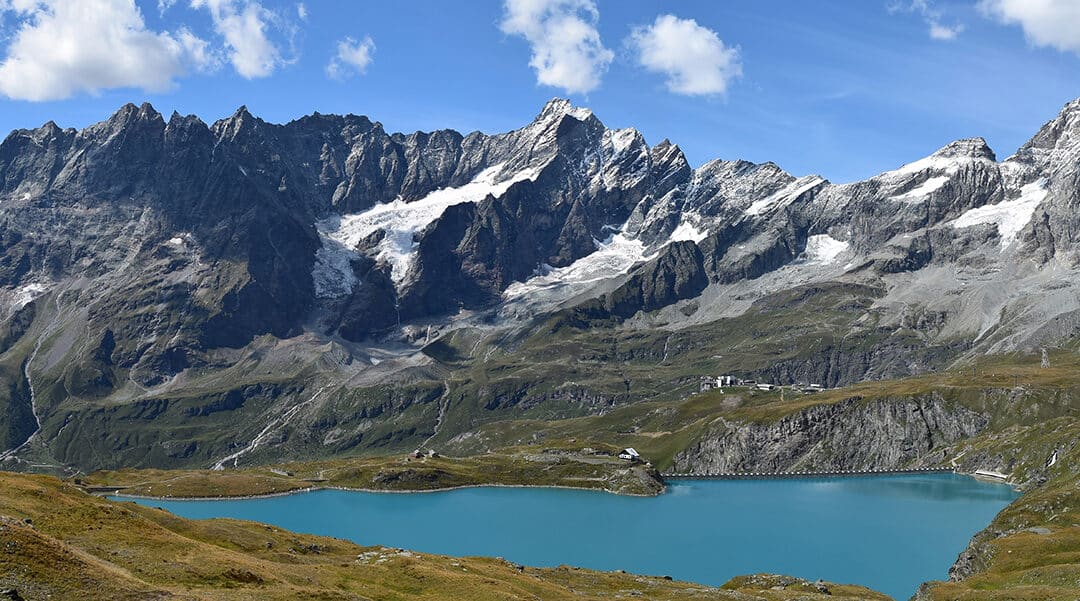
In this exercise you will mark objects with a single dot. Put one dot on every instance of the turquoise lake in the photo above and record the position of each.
(890, 533)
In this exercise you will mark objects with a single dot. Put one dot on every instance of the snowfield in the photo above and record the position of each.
(924, 189)
(614, 256)
(688, 230)
(401, 221)
(823, 249)
(789, 194)
(24, 295)
(1010, 216)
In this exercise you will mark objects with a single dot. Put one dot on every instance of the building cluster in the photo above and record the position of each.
(721, 382)
(420, 454)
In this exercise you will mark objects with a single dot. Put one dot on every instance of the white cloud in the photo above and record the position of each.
(352, 56)
(244, 25)
(566, 49)
(931, 16)
(694, 59)
(65, 47)
(201, 56)
(1053, 23)
(301, 11)
(945, 32)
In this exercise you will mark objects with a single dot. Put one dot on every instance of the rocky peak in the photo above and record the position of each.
(557, 108)
(558, 118)
(130, 114)
(187, 129)
(45, 135)
(240, 121)
(973, 148)
(669, 167)
(1061, 133)
(135, 129)
(666, 153)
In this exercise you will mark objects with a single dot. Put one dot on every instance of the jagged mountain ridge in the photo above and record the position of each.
(141, 254)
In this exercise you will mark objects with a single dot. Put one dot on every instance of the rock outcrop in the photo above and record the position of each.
(850, 435)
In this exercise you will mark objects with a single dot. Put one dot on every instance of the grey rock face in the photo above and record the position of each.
(850, 435)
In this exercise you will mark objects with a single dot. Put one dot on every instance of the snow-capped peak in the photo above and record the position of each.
(556, 108)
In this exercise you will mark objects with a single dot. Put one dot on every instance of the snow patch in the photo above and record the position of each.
(924, 189)
(579, 113)
(785, 196)
(614, 256)
(823, 249)
(1010, 216)
(27, 196)
(687, 231)
(949, 166)
(621, 139)
(176, 241)
(401, 221)
(24, 295)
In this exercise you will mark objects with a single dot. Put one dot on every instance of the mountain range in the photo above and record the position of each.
(177, 294)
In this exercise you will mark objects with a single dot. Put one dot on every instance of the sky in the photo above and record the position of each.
(845, 89)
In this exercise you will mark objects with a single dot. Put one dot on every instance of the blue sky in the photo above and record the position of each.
(845, 89)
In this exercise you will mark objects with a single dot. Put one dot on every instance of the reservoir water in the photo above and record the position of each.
(890, 533)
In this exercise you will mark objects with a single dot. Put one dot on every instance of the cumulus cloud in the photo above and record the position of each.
(1052, 23)
(198, 51)
(301, 11)
(694, 59)
(931, 16)
(566, 49)
(352, 57)
(244, 26)
(65, 47)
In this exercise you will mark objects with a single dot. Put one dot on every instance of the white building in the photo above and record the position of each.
(629, 454)
(711, 382)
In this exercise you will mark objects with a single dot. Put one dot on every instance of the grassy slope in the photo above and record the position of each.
(1015, 391)
(61, 543)
(599, 469)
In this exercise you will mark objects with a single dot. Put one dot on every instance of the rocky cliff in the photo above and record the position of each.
(850, 435)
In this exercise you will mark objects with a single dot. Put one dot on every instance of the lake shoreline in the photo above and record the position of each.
(468, 523)
(663, 491)
(308, 489)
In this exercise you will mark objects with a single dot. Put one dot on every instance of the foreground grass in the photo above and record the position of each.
(591, 468)
(61, 543)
